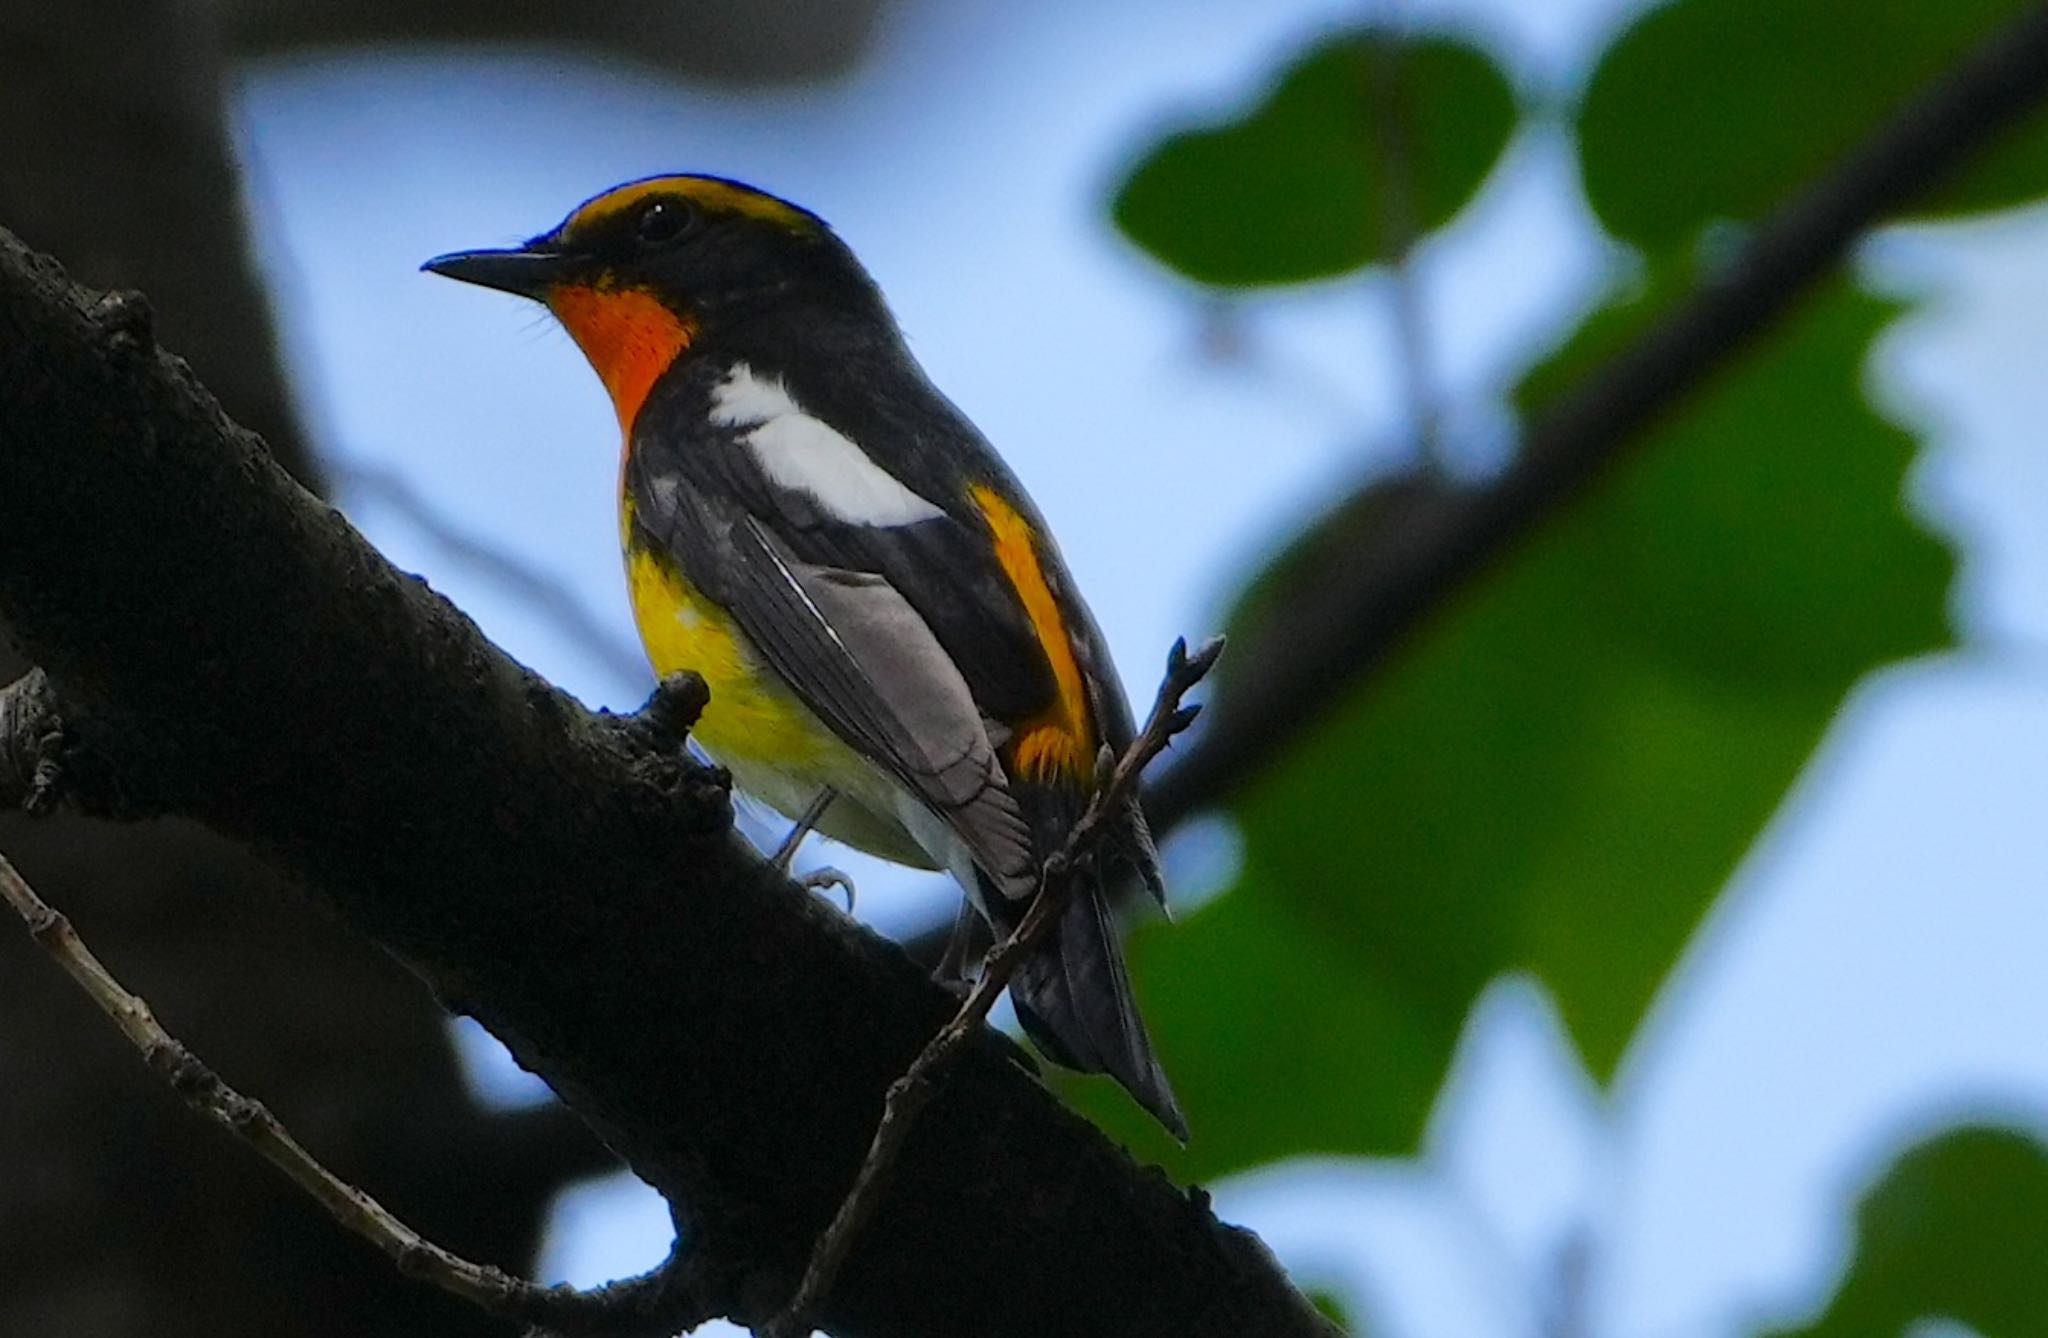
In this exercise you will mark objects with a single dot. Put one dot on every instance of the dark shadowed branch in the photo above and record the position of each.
(118, 154)
(217, 643)
(655, 1306)
(1372, 596)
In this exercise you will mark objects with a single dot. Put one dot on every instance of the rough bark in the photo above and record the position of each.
(228, 649)
(118, 1215)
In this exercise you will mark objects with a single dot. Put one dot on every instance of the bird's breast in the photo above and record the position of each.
(751, 714)
(776, 748)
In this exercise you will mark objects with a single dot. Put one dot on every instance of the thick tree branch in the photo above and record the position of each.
(226, 647)
(117, 154)
(1371, 596)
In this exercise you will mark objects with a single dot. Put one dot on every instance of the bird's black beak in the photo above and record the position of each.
(527, 272)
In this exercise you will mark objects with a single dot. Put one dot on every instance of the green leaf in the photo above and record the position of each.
(1717, 109)
(1560, 772)
(1957, 1230)
(1276, 1043)
(1333, 1309)
(1293, 190)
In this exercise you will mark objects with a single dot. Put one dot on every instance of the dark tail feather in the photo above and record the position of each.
(1075, 1003)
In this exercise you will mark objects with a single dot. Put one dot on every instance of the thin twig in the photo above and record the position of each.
(1378, 594)
(654, 1304)
(1115, 791)
(543, 592)
(1387, 112)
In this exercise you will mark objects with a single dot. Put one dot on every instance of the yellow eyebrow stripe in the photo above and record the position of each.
(1060, 738)
(712, 193)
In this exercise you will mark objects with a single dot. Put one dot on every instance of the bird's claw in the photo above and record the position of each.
(785, 854)
(818, 879)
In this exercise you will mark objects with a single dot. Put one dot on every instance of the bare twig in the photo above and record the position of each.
(1379, 593)
(654, 1304)
(543, 592)
(1387, 113)
(1116, 790)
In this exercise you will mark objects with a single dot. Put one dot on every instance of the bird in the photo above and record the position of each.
(897, 655)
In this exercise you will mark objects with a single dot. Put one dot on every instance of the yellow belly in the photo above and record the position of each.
(777, 750)
(750, 714)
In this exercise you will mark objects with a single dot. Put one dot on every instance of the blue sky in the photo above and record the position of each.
(1873, 965)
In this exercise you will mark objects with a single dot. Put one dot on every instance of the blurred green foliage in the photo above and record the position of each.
(1957, 1230)
(1560, 772)
(1294, 189)
(1717, 109)
(1332, 1305)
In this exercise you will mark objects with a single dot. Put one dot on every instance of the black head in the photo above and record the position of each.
(711, 250)
(647, 271)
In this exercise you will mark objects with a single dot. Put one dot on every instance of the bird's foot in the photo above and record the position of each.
(818, 879)
(786, 852)
(960, 964)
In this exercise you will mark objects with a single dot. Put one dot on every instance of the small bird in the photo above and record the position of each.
(896, 654)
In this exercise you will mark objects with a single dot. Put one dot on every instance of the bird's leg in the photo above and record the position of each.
(786, 852)
(824, 876)
(817, 880)
(964, 948)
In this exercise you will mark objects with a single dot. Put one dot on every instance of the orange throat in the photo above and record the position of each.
(630, 336)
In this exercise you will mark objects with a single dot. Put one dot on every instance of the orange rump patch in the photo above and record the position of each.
(630, 336)
(1059, 740)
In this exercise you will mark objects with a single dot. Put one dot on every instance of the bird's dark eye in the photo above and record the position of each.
(661, 221)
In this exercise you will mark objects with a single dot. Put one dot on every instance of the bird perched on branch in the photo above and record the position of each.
(895, 651)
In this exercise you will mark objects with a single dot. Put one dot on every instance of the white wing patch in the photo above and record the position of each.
(805, 455)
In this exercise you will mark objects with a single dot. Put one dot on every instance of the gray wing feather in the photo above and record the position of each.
(860, 656)
(931, 728)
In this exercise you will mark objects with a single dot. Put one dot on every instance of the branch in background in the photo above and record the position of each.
(1116, 789)
(571, 880)
(726, 41)
(656, 1305)
(543, 592)
(1387, 113)
(117, 153)
(1311, 653)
